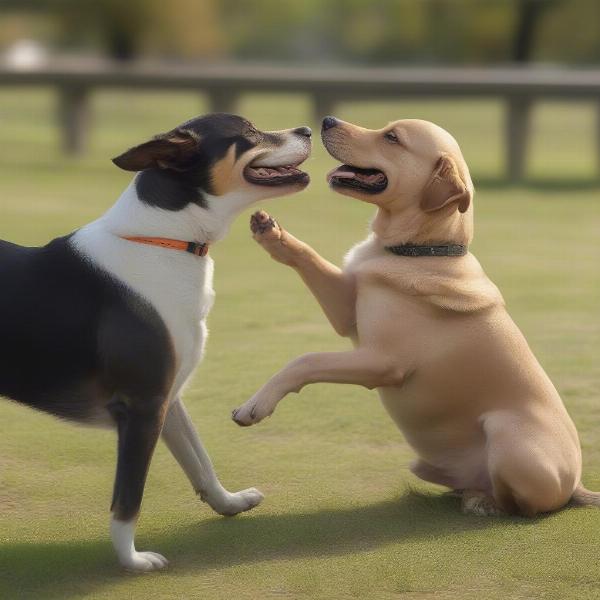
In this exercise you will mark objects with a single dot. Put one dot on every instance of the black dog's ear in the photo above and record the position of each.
(171, 150)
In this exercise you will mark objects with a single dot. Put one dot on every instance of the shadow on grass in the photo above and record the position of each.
(61, 569)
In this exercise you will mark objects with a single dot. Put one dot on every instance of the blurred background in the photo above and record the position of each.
(316, 31)
(518, 73)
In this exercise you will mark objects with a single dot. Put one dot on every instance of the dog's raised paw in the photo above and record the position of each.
(238, 417)
(242, 416)
(261, 223)
(249, 414)
(143, 562)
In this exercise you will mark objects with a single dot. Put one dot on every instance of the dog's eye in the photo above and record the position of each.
(391, 137)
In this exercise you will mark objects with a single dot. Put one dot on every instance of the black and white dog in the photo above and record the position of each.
(106, 325)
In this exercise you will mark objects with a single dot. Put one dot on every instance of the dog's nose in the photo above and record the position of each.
(329, 122)
(305, 131)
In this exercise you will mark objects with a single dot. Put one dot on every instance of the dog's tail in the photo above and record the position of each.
(583, 497)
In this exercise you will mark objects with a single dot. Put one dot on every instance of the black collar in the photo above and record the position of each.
(418, 250)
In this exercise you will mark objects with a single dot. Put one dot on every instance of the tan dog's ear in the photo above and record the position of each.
(444, 187)
(171, 150)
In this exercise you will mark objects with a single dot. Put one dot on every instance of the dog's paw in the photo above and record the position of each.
(251, 412)
(235, 503)
(143, 562)
(264, 227)
(479, 505)
(281, 245)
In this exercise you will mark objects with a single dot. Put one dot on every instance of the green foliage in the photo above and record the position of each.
(357, 31)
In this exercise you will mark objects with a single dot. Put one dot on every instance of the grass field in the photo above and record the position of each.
(339, 519)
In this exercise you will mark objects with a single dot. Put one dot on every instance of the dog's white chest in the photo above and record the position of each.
(176, 284)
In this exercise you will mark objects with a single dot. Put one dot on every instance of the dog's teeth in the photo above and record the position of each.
(272, 172)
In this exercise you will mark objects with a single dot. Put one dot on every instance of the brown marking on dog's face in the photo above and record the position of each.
(221, 174)
(268, 168)
(395, 163)
(271, 167)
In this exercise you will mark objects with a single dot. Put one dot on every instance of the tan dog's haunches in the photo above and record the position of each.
(431, 333)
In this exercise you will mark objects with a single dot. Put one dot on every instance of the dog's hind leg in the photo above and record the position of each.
(184, 443)
(532, 471)
(138, 430)
(423, 470)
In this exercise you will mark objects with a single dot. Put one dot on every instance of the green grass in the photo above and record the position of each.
(339, 519)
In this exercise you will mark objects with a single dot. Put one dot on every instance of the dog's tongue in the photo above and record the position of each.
(368, 176)
(343, 172)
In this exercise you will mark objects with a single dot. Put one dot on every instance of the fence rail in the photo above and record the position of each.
(520, 88)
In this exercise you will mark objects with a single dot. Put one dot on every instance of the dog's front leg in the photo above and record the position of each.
(334, 290)
(138, 427)
(363, 366)
(184, 443)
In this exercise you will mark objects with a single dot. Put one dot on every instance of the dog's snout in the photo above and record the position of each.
(305, 131)
(329, 122)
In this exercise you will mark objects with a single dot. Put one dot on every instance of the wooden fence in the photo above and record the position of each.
(519, 88)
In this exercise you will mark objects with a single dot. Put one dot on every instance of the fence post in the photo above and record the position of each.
(323, 105)
(517, 123)
(74, 118)
(598, 138)
(222, 100)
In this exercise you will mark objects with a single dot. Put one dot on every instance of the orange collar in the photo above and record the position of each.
(195, 248)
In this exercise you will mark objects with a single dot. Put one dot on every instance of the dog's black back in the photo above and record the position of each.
(72, 339)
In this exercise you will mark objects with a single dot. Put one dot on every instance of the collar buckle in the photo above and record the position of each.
(197, 249)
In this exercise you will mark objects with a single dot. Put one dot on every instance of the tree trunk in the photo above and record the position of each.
(528, 21)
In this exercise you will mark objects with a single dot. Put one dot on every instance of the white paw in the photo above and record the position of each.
(232, 504)
(144, 561)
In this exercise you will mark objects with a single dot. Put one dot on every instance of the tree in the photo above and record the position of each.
(529, 16)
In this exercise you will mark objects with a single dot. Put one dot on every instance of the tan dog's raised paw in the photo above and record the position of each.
(252, 412)
(262, 404)
(244, 416)
(262, 223)
(282, 246)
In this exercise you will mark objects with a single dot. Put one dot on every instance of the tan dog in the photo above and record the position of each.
(430, 330)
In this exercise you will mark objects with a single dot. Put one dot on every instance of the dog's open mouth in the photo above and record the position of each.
(371, 181)
(283, 175)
